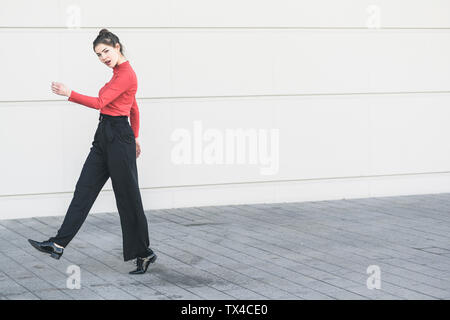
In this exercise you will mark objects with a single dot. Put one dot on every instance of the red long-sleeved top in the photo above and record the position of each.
(116, 97)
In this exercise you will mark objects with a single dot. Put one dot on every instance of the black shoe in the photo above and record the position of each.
(47, 247)
(143, 263)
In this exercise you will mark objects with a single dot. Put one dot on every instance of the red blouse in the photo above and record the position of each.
(116, 97)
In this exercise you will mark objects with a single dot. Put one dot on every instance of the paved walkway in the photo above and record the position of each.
(307, 250)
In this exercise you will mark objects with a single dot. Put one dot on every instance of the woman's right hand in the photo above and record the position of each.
(61, 89)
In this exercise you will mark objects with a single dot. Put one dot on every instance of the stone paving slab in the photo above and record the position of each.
(304, 250)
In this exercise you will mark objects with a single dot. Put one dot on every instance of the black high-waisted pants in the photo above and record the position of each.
(113, 154)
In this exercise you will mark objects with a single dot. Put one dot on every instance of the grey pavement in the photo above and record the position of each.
(304, 250)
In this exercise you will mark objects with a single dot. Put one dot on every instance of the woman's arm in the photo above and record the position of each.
(109, 92)
(134, 122)
(134, 118)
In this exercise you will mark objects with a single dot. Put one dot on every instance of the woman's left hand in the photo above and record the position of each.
(138, 148)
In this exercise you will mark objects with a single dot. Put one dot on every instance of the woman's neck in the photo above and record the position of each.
(121, 60)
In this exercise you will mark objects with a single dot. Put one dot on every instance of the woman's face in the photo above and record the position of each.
(107, 54)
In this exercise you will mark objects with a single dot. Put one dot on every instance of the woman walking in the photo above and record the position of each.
(113, 154)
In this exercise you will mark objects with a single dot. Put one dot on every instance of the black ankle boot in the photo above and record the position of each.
(143, 263)
(47, 247)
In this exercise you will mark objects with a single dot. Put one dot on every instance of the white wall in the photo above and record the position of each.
(361, 112)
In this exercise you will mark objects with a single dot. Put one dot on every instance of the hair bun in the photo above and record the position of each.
(103, 31)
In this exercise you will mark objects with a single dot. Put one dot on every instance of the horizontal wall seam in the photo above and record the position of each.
(243, 183)
(255, 96)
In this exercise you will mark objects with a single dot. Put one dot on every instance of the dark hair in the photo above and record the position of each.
(108, 38)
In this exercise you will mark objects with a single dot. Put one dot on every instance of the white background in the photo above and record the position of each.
(361, 112)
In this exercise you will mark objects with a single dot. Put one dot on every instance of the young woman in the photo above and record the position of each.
(113, 154)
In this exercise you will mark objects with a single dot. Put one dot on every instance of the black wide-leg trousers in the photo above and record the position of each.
(113, 154)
